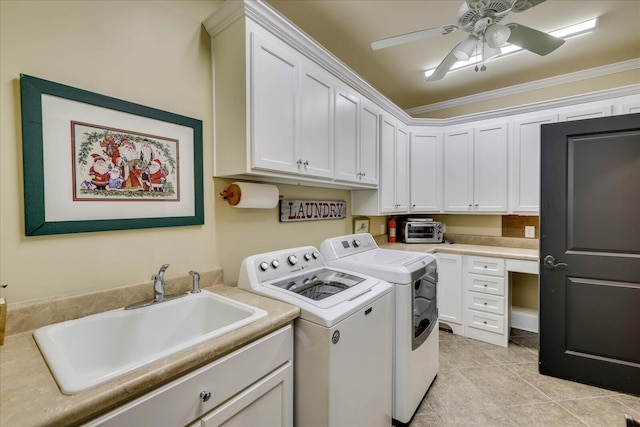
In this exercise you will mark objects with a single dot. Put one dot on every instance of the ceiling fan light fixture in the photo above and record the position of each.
(465, 48)
(496, 35)
(579, 29)
(489, 52)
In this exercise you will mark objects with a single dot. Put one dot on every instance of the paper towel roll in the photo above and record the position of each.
(250, 195)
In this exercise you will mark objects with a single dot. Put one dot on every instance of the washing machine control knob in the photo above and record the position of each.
(263, 266)
(307, 256)
(275, 263)
(292, 259)
(356, 243)
(315, 255)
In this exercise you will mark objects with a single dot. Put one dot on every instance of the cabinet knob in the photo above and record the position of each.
(485, 322)
(485, 285)
(205, 395)
(485, 303)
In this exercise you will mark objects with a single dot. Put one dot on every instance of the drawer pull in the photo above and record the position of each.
(205, 395)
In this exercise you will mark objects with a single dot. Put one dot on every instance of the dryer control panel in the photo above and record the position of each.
(352, 244)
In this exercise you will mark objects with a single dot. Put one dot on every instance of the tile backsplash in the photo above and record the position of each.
(514, 225)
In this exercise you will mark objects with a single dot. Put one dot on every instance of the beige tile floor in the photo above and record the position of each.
(481, 384)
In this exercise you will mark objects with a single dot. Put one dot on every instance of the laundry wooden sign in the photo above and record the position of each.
(312, 210)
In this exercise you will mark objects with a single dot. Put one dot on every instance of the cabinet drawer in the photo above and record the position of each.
(485, 321)
(179, 402)
(486, 284)
(485, 265)
(485, 302)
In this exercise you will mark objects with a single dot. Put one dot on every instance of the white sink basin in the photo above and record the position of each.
(92, 350)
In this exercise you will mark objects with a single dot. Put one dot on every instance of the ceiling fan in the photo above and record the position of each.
(480, 18)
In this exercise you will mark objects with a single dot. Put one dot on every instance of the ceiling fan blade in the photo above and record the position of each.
(533, 40)
(522, 5)
(411, 37)
(444, 67)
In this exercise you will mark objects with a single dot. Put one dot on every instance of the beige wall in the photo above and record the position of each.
(155, 53)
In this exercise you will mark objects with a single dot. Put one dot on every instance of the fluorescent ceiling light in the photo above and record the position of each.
(564, 33)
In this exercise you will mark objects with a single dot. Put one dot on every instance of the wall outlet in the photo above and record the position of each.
(530, 231)
(382, 229)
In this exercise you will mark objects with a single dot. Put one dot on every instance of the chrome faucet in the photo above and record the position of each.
(196, 282)
(158, 284)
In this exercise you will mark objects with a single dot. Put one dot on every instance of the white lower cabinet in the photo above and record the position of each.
(244, 388)
(473, 297)
(449, 291)
(485, 295)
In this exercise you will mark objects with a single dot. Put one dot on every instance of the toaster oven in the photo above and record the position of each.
(422, 230)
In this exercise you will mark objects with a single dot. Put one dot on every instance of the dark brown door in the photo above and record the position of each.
(590, 252)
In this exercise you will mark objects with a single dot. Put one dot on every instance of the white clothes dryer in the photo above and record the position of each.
(416, 342)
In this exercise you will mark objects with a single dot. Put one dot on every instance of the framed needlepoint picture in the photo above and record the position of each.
(361, 224)
(96, 163)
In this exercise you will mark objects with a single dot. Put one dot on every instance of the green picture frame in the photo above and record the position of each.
(67, 132)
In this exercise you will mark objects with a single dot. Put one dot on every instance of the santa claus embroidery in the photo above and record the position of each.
(99, 172)
(115, 179)
(127, 158)
(156, 176)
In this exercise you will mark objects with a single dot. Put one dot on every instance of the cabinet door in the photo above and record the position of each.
(627, 104)
(402, 168)
(458, 171)
(315, 146)
(426, 171)
(586, 112)
(274, 106)
(346, 136)
(449, 288)
(490, 168)
(368, 147)
(267, 403)
(387, 165)
(525, 163)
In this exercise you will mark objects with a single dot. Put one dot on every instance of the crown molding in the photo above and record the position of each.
(287, 31)
(604, 70)
(273, 21)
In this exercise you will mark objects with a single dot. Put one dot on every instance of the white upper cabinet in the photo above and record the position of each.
(475, 169)
(275, 79)
(315, 145)
(425, 170)
(458, 170)
(356, 139)
(627, 104)
(394, 166)
(525, 162)
(585, 111)
(283, 117)
(369, 146)
(291, 110)
(490, 168)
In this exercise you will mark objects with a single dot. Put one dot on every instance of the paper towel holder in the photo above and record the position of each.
(233, 194)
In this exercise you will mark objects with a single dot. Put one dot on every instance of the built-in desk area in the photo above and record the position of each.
(475, 287)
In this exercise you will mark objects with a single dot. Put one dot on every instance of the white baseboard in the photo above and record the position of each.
(525, 319)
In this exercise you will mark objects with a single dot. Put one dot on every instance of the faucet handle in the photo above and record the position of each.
(196, 282)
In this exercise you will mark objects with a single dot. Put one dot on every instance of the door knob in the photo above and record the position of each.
(550, 263)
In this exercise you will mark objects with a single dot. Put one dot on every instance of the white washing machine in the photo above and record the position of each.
(416, 343)
(343, 338)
